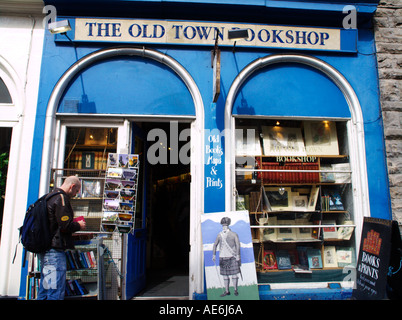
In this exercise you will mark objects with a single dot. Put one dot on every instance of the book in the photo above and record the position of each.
(301, 269)
(283, 259)
(329, 232)
(314, 258)
(80, 218)
(269, 260)
(303, 258)
(327, 175)
(336, 202)
(331, 201)
(294, 257)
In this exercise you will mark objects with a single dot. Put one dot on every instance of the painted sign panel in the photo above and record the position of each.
(228, 256)
(374, 254)
(205, 33)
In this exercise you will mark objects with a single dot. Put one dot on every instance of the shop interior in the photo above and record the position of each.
(167, 220)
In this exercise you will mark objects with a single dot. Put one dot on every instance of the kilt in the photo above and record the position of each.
(229, 266)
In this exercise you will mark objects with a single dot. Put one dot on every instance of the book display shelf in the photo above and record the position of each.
(294, 178)
(85, 269)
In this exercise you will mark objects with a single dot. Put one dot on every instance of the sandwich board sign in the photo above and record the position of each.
(373, 261)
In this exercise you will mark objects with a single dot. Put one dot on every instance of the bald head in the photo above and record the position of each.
(71, 186)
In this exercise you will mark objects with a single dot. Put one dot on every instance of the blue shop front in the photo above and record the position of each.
(286, 109)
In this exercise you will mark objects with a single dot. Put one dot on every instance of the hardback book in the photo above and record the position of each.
(330, 232)
(302, 254)
(335, 202)
(314, 258)
(283, 259)
(269, 261)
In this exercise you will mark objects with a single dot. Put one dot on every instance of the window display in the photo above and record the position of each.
(295, 180)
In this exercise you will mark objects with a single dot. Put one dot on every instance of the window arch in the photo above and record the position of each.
(5, 96)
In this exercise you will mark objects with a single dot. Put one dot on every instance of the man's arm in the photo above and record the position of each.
(64, 216)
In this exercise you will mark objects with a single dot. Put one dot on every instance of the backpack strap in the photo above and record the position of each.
(16, 246)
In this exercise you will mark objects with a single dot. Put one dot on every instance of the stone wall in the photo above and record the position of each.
(388, 36)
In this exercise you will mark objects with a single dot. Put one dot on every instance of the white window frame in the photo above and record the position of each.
(123, 135)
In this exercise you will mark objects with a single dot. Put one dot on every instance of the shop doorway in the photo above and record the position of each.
(166, 207)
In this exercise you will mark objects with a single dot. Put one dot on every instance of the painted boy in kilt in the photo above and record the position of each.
(229, 255)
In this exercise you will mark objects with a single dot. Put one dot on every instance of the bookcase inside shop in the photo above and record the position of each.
(294, 178)
(88, 148)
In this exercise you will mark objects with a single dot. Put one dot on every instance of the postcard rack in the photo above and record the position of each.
(120, 193)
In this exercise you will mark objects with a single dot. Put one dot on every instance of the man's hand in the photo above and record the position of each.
(82, 224)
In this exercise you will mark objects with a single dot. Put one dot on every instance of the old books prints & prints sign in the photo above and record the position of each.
(228, 256)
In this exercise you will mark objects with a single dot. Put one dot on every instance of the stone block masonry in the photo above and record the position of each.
(388, 37)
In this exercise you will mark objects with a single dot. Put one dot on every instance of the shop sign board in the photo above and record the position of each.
(373, 261)
(204, 33)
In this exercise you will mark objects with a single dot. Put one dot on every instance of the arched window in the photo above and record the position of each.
(5, 96)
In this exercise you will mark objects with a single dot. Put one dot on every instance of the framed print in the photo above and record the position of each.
(91, 189)
(287, 233)
(270, 234)
(88, 160)
(280, 199)
(313, 199)
(345, 233)
(303, 233)
(247, 141)
(344, 256)
(283, 141)
(330, 258)
(321, 138)
(299, 203)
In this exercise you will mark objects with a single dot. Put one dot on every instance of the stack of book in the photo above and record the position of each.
(77, 259)
(75, 288)
(288, 177)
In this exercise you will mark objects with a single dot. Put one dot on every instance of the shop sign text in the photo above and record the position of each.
(205, 33)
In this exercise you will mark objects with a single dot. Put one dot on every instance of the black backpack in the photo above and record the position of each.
(35, 233)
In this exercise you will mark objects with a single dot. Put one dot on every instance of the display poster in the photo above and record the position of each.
(120, 193)
(373, 261)
(228, 256)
